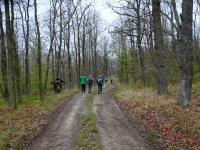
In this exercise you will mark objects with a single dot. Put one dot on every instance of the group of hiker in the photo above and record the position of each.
(84, 80)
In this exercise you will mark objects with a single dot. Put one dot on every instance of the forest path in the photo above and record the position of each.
(114, 130)
(61, 134)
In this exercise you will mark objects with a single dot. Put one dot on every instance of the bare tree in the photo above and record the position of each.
(39, 51)
(186, 53)
(52, 20)
(159, 48)
(58, 72)
(16, 57)
(10, 54)
(26, 33)
(3, 59)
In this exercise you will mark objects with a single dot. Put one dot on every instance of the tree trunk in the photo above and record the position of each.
(16, 57)
(76, 53)
(26, 39)
(159, 48)
(139, 41)
(3, 60)
(186, 53)
(27, 67)
(53, 63)
(105, 58)
(69, 57)
(83, 44)
(52, 37)
(10, 54)
(69, 60)
(39, 50)
(79, 52)
(133, 57)
(58, 73)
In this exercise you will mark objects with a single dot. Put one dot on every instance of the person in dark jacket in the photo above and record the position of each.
(111, 81)
(100, 81)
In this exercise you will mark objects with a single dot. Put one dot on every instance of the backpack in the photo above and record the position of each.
(90, 80)
(100, 80)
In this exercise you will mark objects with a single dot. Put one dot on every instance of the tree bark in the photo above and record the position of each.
(79, 51)
(69, 60)
(26, 34)
(83, 43)
(58, 73)
(3, 60)
(10, 54)
(26, 38)
(52, 37)
(16, 57)
(186, 53)
(69, 57)
(139, 41)
(105, 58)
(159, 48)
(39, 50)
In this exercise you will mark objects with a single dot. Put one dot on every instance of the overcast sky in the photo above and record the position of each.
(106, 13)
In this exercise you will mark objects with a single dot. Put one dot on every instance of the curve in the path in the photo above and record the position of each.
(114, 129)
(60, 135)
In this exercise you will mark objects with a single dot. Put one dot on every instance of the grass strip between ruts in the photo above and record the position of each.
(88, 135)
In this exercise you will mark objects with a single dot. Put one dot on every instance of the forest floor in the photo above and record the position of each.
(159, 118)
(90, 122)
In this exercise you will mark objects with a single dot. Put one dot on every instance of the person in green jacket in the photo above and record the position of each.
(83, 81)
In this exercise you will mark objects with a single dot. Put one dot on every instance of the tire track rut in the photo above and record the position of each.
(61, 134)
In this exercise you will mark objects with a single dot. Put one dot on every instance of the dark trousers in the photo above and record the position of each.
(90, 88)
(100, 88)
(83, 88)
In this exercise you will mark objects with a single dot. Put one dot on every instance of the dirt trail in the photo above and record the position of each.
(60, 135)
(115, 132)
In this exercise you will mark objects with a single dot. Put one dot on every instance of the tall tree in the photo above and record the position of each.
(52, 20)
(139, 39)
(69, 60)
(39, 52)
(15, 56)
(105, 57)
(58, 72)
(26, 34)
(159, 48)
(3, 59)
(10, 54)
(186, 53)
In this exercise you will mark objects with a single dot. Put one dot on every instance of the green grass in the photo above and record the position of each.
(88, 134)
(91, 119)
(90, 101)
(152, 136)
